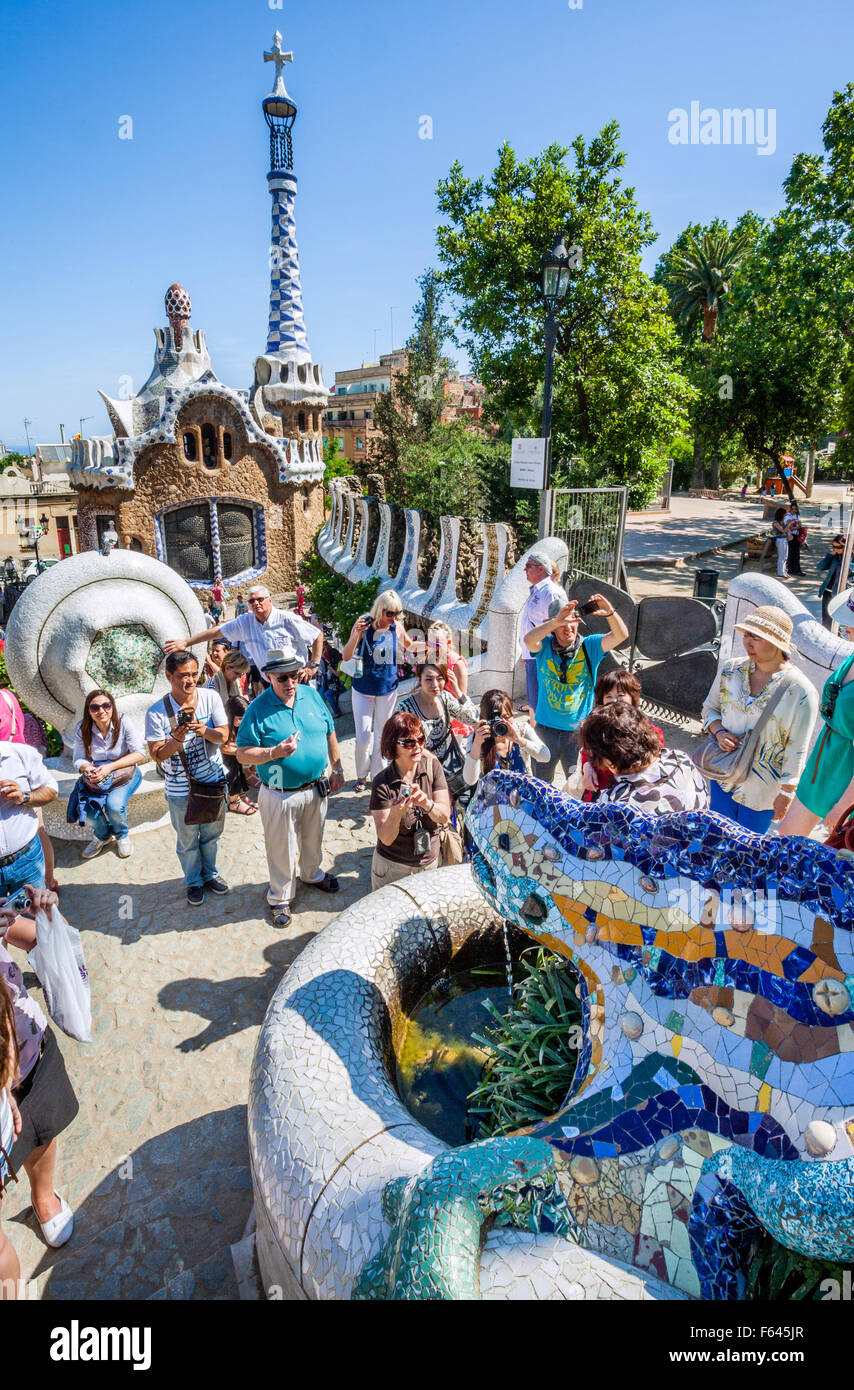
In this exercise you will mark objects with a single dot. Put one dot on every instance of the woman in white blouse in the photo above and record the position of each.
(107, 746)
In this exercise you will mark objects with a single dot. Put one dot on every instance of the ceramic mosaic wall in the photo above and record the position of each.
(286, 332)
(715, 1089)
(124, 660)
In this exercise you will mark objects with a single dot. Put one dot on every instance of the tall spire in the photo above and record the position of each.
(285, 376)
(286, 333)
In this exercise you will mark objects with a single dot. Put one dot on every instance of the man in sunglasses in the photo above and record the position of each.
(566, 677)
(262, 630)
(287, 735)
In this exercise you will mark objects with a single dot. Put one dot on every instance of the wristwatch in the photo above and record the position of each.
(25, 798)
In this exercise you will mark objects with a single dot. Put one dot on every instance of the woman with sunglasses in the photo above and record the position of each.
(410, 803)
(379, 639)
(107, 751)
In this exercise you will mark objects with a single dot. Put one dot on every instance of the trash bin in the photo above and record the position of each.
(706, 584)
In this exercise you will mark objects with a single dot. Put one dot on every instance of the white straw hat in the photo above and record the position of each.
(771, 624)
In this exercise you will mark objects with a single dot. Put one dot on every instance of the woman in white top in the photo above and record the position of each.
(10, 1128)
(498, 742)
(107, 746)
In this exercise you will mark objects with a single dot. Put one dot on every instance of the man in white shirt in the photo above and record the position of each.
(543, 593)
(264, 629)
(170, 733)
(25, 783)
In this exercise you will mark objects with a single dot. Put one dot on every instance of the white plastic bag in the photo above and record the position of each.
(57, 959)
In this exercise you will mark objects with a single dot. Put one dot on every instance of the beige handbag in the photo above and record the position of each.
(452, 845)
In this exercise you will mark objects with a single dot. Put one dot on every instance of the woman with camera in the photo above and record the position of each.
(378, 640)
(107, 751)
(498, 742)
(410, 803)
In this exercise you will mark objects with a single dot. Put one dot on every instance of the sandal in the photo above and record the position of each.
(360, 787)
(243, 807)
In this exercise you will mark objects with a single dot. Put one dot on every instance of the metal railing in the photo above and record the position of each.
(592, 522)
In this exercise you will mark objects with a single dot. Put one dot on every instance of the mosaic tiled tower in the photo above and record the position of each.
(288, 385)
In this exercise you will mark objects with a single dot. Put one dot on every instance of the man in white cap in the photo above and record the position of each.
(544, 592)
(288, 736)
(262, 630)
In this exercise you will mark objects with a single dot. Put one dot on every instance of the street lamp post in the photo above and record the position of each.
(34, 534)
(27, 423)
(555, 266)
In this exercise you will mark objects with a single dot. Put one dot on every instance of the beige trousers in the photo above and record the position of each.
(293, 829)
(385, 871)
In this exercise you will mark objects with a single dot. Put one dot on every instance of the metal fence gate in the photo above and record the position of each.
(592, 522)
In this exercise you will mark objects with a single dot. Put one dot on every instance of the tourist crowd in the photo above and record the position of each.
(248, 730)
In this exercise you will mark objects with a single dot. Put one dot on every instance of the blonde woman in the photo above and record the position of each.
(225, 680)
(379, 639)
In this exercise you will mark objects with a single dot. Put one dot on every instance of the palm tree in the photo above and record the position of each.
(700, 276)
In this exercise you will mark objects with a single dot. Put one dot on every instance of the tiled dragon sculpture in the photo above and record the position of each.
(714, 1090)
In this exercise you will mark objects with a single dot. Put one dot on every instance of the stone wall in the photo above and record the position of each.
(164, 477)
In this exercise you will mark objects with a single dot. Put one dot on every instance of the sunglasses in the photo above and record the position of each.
(96, 709)
(258, 600)
(291, 676)
(410, 742)
(392, 612)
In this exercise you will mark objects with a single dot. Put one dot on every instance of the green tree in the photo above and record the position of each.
(618, 388)
(781, 359)
(14, 457)
(335, 464)
(698, 273)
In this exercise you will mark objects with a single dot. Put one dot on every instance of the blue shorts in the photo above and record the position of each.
(27, 868)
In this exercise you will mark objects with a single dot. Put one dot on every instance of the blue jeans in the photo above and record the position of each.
(112, 818)
(532, 683)
(197, 844)
(29, 868)
(723, 803)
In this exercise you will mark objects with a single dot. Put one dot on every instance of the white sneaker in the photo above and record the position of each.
(124, 848)
(95, 848)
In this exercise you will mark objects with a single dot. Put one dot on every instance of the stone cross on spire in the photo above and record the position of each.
(277, 56)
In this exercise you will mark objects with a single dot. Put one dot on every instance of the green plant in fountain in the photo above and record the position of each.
(777, 1275)
(533, 1047)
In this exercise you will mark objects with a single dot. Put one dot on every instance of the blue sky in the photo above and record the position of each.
(95, 228)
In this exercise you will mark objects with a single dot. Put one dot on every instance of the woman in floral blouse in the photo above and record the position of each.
(734, 705)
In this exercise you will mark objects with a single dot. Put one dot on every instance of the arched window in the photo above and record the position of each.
(301, 421)
(226, 444)
(135, 544)
(306, 497)
(189, 439)
(187, 534)
(210, 453)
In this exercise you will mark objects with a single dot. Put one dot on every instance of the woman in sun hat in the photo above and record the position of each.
(826, 789)
(740, 694)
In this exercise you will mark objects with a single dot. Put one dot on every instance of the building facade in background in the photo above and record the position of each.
(348, 421)
(220, 483)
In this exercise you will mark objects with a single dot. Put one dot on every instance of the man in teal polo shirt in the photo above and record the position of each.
(566, 676)
(287, 735)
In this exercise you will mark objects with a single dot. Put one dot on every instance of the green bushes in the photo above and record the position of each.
(332, 599)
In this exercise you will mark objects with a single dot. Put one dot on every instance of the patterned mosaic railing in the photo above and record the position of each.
(486, 627)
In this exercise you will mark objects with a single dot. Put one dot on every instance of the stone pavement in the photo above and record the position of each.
(694, 526)
(156, 1164)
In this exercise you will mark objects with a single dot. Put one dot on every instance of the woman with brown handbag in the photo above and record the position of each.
(826, 789)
